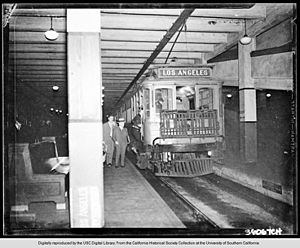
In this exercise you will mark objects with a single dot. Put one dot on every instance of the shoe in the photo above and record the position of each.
(117, 166)
(109, 165)
(122, 165)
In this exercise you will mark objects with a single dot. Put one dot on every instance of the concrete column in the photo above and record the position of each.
(85, 118)
(247, 94)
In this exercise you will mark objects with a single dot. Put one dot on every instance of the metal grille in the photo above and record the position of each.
(195, 123)
(186, 168)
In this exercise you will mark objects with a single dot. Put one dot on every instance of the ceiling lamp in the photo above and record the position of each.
(245, 40)
(51, 34)
(55, 88)
(268, 95)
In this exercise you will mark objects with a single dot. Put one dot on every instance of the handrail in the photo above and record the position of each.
(190, 123)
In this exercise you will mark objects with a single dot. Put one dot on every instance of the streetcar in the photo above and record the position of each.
(181, 122)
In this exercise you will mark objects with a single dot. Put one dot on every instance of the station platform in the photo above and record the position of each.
(131, 202)
(135, 198)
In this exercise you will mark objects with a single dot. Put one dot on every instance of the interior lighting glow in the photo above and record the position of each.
(245, 40)
(55, 88)
(268, 95)
(51, 34)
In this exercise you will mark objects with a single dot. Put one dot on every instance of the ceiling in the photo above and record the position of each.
(132, 40)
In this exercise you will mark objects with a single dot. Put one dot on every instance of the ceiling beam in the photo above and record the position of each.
(142, 46)
(142, 54)
(116, 82)
(37, 56)
(42, 77)
(163, 23)
(42, 84)
(43, 62)
(62, 80)
(257, 11)
(275, 13)
(253, 12)
(38, 48)
(233, 53)
(155, 36)
(105, 70)
(117, 74)
(135, 5)
(39, 12)
(174, 28)
(49, 74)
(39, 67)
(115, 60)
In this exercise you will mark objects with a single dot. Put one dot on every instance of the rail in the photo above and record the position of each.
(190, 123)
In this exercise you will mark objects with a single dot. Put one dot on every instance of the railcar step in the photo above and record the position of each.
(186, 168)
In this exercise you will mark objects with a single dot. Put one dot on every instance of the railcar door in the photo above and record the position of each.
(163, 99)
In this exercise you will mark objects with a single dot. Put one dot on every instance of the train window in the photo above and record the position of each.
(205, 98)
(163, 99)
(185, 97)
(147, 102)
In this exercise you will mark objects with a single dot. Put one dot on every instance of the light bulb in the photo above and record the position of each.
(246, 40)
(51, 34)
(55, 88)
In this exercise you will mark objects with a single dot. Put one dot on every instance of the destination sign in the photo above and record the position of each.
(184, 72)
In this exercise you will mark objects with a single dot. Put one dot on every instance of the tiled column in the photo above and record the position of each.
(247, 94)
(85, 118)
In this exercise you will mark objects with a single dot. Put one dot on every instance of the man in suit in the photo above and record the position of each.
(121, 138)
(107, 138)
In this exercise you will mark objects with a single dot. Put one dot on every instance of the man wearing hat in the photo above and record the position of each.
(121, 138)
(107, 138)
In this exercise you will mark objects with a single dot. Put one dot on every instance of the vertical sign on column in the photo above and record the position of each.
(85, 118)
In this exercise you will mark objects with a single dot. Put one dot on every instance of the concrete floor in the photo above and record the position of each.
(130, 201)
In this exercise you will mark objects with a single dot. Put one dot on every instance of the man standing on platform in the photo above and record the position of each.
(121, 138)
(107, 138)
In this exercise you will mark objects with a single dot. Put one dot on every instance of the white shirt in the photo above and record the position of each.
(111, 125)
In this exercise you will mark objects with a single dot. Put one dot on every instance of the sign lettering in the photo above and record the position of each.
(184, 72)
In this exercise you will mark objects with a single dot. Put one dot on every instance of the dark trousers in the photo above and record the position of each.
(110, 151)
(120, 153)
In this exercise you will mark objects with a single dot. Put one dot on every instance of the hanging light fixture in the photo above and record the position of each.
(245, 40)
(55, 88)
(51, 34)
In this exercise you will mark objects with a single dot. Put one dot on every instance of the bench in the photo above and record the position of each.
(27, 186)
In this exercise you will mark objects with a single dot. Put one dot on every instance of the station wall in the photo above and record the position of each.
(273, 173)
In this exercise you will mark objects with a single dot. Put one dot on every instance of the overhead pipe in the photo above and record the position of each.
(136, 5)
(177, 24)
(174, 43)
